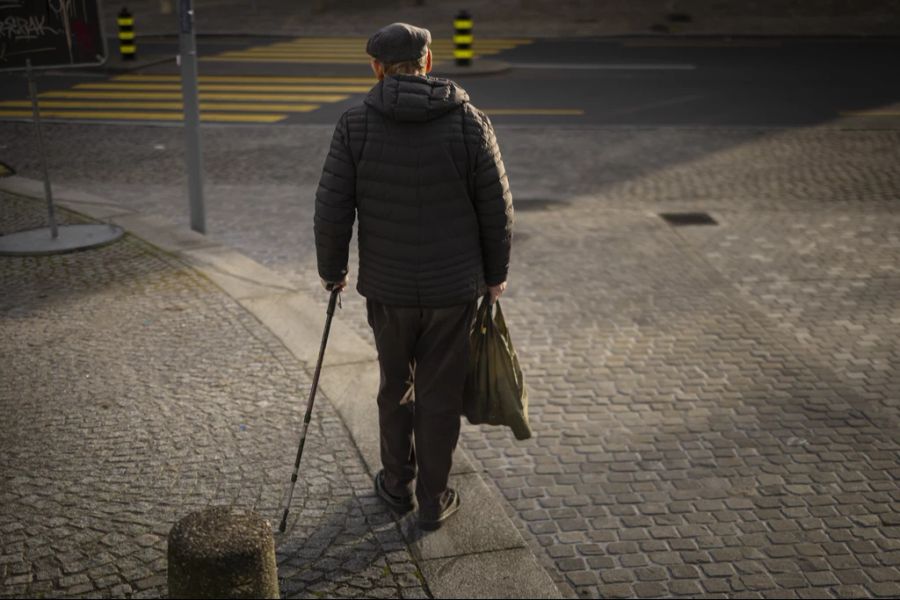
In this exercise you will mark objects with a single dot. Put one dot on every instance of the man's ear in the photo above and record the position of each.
(428, 63)
(378, 69)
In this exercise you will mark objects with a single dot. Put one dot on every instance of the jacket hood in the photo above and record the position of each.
(415, 97)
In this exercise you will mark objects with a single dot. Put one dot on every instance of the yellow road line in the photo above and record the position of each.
(332, 55)
(144, 116)
(314, 49)
(699, 43)
(534, 111)
(346, 50)
(295, 52)
(349, 55)
(224, 87)
(335, 61)
(360, 48)
(362, 40)
(870, 113)
(300, 52)
(103, 95)
(285, 54)
(450, 55)
(296, 60)
(476, 43)
(247, 79)
(163, 105)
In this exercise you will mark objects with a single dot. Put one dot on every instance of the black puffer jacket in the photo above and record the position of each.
(421, 167)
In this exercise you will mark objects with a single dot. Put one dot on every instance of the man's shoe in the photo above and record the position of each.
(400, 504)
(432, 518)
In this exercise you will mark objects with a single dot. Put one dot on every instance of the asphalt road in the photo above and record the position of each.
(600, 81)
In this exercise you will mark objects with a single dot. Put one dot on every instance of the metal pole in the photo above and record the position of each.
(48, 193)
(188, 60)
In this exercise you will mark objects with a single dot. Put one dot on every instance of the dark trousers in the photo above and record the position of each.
(427, 347)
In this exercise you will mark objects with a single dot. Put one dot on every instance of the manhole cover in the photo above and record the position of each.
(688, 218)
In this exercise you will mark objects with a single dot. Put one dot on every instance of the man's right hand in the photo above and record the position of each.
(496, 291)
(331, 285)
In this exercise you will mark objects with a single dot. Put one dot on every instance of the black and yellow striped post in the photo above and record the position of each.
(462, 39)
(127, 44)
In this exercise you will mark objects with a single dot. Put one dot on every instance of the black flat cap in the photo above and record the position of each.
(398, 42)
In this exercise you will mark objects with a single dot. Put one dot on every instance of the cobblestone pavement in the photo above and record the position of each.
(133, 391)
(716, 408)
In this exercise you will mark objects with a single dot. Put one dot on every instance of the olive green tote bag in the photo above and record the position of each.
(495, 391)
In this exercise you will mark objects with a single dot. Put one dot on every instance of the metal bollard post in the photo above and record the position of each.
(127, 44)
(462, 39)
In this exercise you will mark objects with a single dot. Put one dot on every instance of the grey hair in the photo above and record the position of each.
(408, 67)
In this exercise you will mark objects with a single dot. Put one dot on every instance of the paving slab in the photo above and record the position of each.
(485, 528)
(506, 583)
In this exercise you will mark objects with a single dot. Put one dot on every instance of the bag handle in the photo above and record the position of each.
(485, 314)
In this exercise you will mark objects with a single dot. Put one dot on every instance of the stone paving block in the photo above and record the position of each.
(502, 586)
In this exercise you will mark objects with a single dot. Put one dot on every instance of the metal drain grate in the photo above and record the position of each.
(538, 204)
(679, 18)
(687, 218)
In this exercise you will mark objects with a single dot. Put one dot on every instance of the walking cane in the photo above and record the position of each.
(309, 407)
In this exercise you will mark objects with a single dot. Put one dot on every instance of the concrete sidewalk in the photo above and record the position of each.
(165, 373)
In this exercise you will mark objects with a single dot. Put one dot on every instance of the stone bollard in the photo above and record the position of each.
(217, 553)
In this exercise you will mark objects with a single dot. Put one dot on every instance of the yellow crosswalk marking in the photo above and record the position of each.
(361, 44)
(356, 50)
(299, 50)
(361, 41)
(224, 87)
(238, 98)
(226, 98)
(108, 95)
(357, 56)
(281, 53)
(324, 61)
(144, 116)
(163, 105)
(347, 50)
(535, 111)
(248, 79)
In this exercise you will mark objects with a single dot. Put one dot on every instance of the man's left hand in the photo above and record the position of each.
(496, 291)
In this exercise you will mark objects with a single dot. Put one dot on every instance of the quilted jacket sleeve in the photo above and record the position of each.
(335, 207)
(493, 205)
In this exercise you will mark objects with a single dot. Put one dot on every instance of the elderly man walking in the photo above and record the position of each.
(421, 168)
